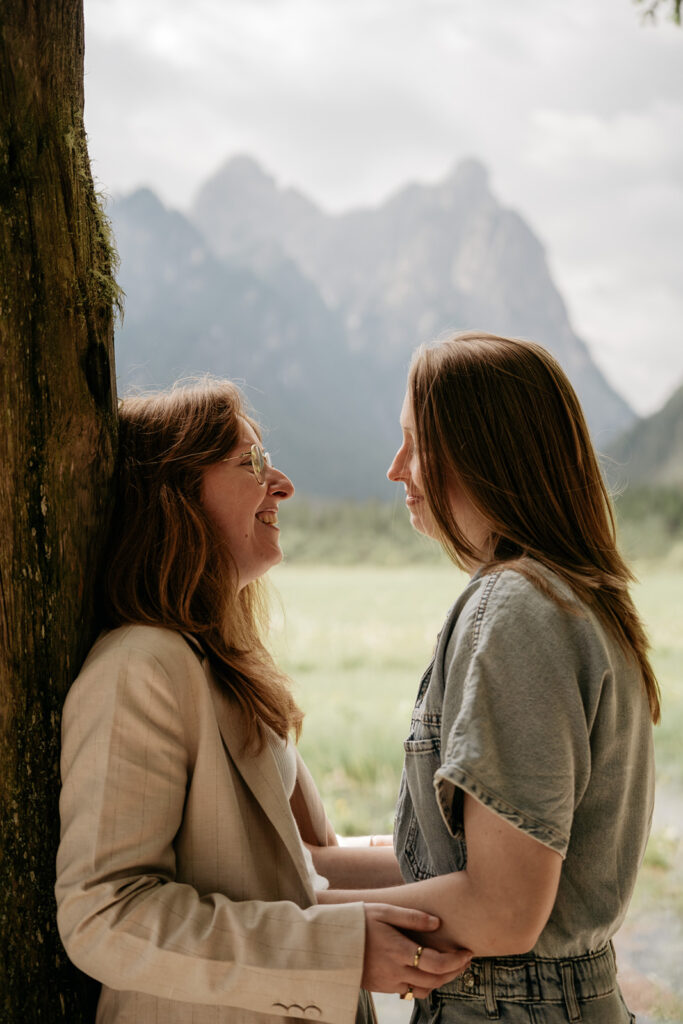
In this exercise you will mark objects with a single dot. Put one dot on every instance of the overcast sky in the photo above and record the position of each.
(574, 105)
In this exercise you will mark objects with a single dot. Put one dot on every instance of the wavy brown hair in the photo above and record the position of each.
(499, 417)
(166, 563)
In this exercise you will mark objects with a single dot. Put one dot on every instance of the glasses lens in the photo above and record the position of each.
(258, 462)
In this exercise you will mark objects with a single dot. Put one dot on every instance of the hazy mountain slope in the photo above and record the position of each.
(430, 260)
(186, 313)
(651, 452)
(319, 314)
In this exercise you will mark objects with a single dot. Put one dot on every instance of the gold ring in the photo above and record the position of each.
(418, 953)
(408, 995)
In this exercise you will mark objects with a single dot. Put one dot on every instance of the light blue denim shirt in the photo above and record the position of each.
(536, 711)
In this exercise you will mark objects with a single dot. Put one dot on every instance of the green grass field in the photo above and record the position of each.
(355, 641)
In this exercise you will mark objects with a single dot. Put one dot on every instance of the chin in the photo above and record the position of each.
(427, 529)
(275, 559)
(258, 572)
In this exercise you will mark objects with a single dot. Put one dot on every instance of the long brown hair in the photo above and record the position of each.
(166, 563)
(499, 416)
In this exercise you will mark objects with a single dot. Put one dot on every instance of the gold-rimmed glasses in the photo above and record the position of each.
(260, 460)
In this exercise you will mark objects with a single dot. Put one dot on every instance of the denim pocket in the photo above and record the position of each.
(412, 852)
(428, 745)
(422, 758)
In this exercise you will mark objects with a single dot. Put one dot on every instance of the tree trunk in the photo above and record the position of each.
(57, 437)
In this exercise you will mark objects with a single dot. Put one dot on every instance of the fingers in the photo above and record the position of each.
(433, 962)
(392, 961)
(387, 951)
(421, 983)
(420, 990)
(406, 918)
(434, 969)
(416, 978)
(417, 992)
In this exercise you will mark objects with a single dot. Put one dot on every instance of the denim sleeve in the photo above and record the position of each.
(515, 712)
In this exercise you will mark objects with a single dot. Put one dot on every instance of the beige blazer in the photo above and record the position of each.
(181, 881)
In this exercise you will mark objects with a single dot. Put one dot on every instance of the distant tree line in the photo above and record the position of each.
(316, 531)
(650, 520)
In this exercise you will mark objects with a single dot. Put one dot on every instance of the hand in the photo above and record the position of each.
(389, 954)
(382, 841)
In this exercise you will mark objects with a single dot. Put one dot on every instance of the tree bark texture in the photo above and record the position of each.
(57, 441)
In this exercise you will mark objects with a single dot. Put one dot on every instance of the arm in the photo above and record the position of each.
(514, 735)
(357, 867)
(499, 904)
(136, 735)
(128, 919)
(359, 861)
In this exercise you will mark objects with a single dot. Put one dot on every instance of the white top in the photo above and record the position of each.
(285, 759)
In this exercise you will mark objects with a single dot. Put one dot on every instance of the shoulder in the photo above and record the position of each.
(525, 606)
(511, 591)
(142, 644)
(138, 661)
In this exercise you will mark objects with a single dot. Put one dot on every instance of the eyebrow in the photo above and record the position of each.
(241, 448)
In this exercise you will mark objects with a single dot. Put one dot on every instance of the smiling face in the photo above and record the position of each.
(405, 469)
(244, 511)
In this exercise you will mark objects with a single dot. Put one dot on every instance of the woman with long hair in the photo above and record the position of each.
(527, 791)
(184, 885)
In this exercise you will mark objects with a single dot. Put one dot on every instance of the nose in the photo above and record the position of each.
(279, 484)
(396, 471)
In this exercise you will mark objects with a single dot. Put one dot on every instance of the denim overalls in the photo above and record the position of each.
(530, 707)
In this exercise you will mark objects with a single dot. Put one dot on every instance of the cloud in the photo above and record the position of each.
(619, 149)
(574, 107)
(611, 196)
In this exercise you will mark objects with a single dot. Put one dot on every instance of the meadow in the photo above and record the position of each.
(356, 638)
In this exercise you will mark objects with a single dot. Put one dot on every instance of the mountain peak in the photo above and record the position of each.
(432, 257)
(243, 174)
(243, 211)
(469, 174)
(142, 201)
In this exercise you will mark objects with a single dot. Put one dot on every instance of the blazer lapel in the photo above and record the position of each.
(261, 775)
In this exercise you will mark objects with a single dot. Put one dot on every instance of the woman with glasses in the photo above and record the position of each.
(184, 885)
(527, 790)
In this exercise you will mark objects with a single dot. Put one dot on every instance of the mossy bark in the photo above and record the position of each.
(57, 439)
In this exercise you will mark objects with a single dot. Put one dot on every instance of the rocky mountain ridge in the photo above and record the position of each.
(319, 313)
(651, 451)
(429, 260)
